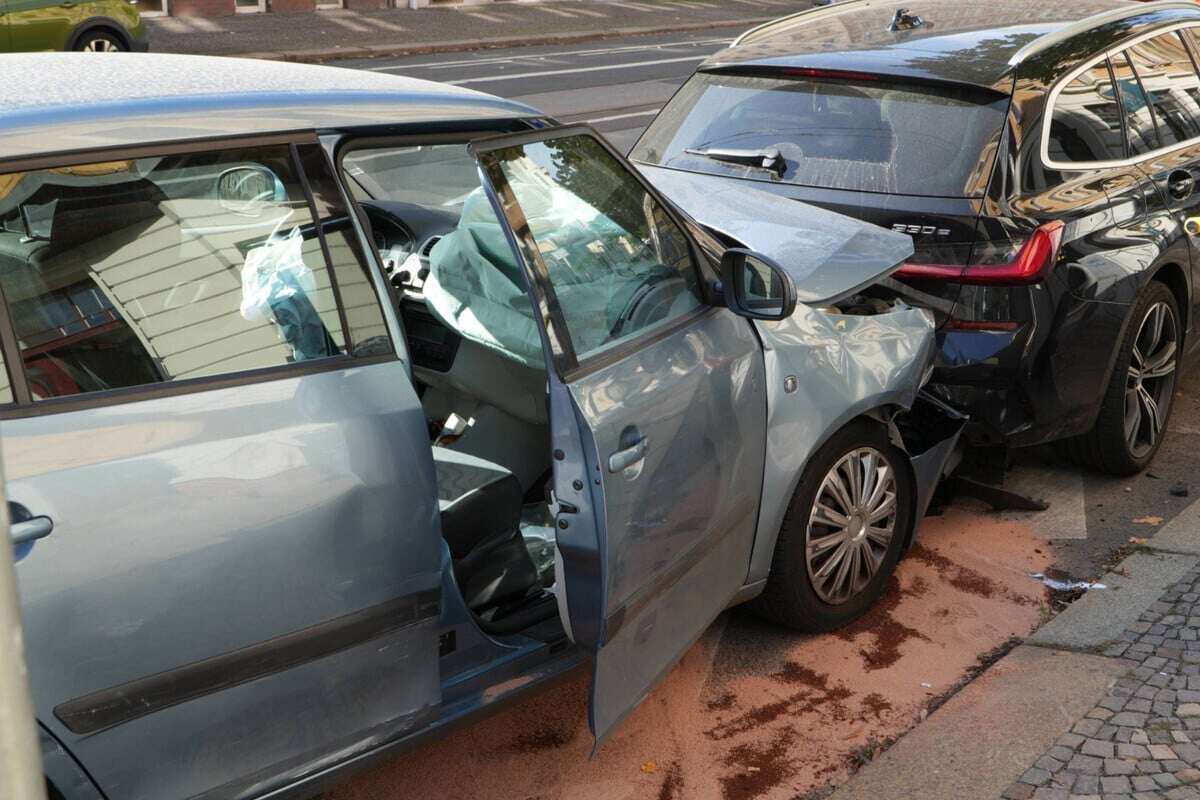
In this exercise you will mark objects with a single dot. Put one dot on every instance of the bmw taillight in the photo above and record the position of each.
(1022, 265)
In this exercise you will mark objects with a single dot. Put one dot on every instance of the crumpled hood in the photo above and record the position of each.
(830, 256)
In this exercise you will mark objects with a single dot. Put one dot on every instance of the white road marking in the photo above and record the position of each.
(558, 12)
(589, 12)
(348, 24)
(379, 23)
(488, 17)
(623, 116)
(1061, 488)
(575, 70)
(470, 62)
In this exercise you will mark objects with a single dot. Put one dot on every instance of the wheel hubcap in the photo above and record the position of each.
(851, 525)
(100, 46)
(1151, 379)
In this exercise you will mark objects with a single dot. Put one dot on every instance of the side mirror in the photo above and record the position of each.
(249, 190)
(755, 286)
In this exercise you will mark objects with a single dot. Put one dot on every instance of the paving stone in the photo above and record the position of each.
(1071, 740)
(1116, 785)
(1046, 793)
(1018, 791)
(1048, 763)
(1118, 766)
(1086, 765)
(1166, 780)
(1035, 776)
(1092, 747)
(1188, 752)
(1137, 720)
(1188, 776)
(1086, 784)
(1061, 752)
(1143, 783)
(1087, 727)
(1161, 752)
(1132, 751)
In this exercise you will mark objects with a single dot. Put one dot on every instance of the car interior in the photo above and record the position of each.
(479, 372)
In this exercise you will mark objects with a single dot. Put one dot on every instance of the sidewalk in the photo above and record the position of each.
(338, 33)
(1102, 702)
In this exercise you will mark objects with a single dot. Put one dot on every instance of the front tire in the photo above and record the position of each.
(843, 532)
(100, 42)
(1137, 403)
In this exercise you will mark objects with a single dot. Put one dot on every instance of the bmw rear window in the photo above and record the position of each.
(863, 135)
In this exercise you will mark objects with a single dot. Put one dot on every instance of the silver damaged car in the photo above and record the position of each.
(338, 408)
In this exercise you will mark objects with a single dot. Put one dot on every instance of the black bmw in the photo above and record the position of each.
(1043, 156)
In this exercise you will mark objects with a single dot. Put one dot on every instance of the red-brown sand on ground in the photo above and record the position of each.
(753, 711)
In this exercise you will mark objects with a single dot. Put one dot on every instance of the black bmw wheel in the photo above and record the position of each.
(1137, 404)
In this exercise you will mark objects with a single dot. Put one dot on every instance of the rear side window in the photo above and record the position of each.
(873, 135)
(1139, 116)
(1168, 79)
(129, 273)
(1086, 124)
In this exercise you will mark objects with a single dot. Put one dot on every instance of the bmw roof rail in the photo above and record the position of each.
(1087, 23)
(834, 8)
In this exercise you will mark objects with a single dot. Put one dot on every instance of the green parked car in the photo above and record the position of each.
(97, 26)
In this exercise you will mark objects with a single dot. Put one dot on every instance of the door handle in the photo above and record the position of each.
(1180, 185)
(634, 450)
(31, 530)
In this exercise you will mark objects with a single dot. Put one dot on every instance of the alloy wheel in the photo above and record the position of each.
(101, 46)
(1151, 380)
(851, 525)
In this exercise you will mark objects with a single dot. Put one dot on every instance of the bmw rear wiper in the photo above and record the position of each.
(769, 158)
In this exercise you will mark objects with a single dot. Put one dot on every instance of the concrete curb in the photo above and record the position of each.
(1182, 534)
(1100, 617)
(984, 737)
(321, 55)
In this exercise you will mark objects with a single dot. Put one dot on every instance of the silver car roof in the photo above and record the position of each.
(59, 102)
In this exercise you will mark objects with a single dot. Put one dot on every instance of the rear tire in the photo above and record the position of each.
(100, 41)
(807, 589)
(1136, 407)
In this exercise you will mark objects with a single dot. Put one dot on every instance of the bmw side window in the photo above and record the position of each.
(1169, 80)
(617, 264)
(1139, 116)
(160, 269)
(1086, 122)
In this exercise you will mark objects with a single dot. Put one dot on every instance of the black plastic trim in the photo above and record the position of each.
(138, 698)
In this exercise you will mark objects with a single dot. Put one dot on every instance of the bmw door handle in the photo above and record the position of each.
(1180, 184)
(633, 449)
(31, 530)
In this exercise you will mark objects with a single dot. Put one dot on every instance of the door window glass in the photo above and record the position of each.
(1086, 125)
(1169, 79)
(158, 269)
(1139, 118)
(618, 266)
(356, 292)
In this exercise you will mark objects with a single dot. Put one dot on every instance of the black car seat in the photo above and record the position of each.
(481, 522)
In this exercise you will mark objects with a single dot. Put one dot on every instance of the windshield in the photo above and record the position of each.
(872, 136)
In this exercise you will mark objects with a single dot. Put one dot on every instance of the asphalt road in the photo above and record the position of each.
(616, 85)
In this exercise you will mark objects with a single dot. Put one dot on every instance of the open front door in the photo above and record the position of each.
(657, 402)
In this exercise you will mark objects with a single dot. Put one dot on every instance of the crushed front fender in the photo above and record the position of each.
(826, 368)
